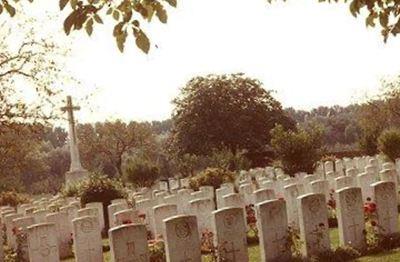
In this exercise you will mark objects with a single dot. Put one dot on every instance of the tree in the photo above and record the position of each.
(108, 143)
(297, 150)
(128, 14)
(28, 66)
(224, 111)
(141, 172)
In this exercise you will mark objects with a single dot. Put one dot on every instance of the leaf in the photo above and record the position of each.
(121, 38)
(69, 22)
(142, 41)
(98, 19)
(383, 19)
(116, 15)
(354, 8)
(161, 13)
(89, 27)
(9, 8)
(74, 3)
(172, 2)
(63, 3)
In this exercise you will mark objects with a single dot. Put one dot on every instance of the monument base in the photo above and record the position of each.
(74, 177)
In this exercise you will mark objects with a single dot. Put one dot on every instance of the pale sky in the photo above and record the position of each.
(310, 53)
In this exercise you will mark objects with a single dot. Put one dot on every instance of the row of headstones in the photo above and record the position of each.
(182, 235)
(16, 223)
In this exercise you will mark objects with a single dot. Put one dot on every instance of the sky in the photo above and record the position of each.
(309, 53)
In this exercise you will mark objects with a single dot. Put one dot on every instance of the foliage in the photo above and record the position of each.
(98, 188)
(299, 150)
(389, 143)
(127, 16)
(212, 177)
(141, 172)
(104, 145)
(12, 198)
(157, 251)
(226, 159)
(224, 111)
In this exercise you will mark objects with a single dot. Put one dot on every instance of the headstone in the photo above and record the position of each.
(202, 209)
(88, 244)
(322, 187)
(364, 180)
(40, 216)
(273, 230)
(221, 192)
(42, 243)
(127, 216)
(129, 243)
(233, 200)
(314, 228)
(291, 193)
(350, 215)
(119, 200)
(112, 209)
(8, 222)
(344, 181)
(386, 206)
(100, 208)
(246, 191)
(160, 213)
(183, 203)
(262, 195)
(230, 234)
(20, 226)
(182, 240)
(60, 220)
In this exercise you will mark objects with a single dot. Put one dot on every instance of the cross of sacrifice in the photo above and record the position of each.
(70, 108)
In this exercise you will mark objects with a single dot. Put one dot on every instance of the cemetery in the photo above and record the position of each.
(239, 131)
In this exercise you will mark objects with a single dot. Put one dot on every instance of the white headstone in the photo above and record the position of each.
(112, 209)
(88, 244)
(42, 243)
(273, 230)
(100, 208)
(202, 209)
(160, 213)
(262, 195)
(60, 220)
(127, 216)
(182, 240)
(291, 193)
(129, 243)
(230, 234)
(386, 207)
(314, 228)
(350, 215)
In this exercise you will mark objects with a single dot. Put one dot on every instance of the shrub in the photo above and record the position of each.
(389, 143)
(229, 160)
(98, 188)
(298, 150)
(12, 198)
(141, 172)
(212, 177)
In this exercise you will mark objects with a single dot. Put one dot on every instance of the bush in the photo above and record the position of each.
(141, 172)
(226, 159)
(12, 198)
(297, 150)
(389, 143)
(98, 188)
(212, 177)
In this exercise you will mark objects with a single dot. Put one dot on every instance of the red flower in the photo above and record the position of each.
(373, 223)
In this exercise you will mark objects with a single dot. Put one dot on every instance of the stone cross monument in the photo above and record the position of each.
(76, 171)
